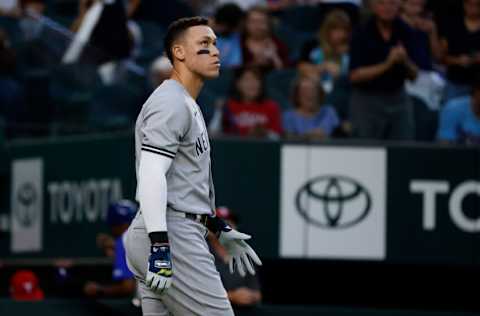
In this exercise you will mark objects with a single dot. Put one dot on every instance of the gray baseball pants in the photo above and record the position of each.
(196, 285)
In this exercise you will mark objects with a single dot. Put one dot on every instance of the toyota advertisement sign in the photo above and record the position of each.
(333, 203)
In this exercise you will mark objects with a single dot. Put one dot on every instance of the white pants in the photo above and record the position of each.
(196, 285)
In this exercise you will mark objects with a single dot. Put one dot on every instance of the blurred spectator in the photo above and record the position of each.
(10, 8)
(30, 27)
(132, 7)
(326, 58)
(429, 85)
(119, 216)
(462, 41)
(241, 291)
(226, 24)
(25, 286)
(160, 70)
(248, 111)
(380, 64)
(425, 32)
(12, 96)
(102, 24)
(350, 7)
(260, 47)
(311, 119)
(460, 119)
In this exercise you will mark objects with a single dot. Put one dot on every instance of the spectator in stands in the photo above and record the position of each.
(10, 8)
(12, 96)
(31, 28)
(427, 41)
(226, 24)
(260, 47)
(160, 70)
(460, 119)
(350, 7)
(119, 216)
(248, 111)
(380, 63)
(241, 291)
(311, 119)
(429, 85)
(25, 286)
(462, 41)
(327, 57)
(108, 39)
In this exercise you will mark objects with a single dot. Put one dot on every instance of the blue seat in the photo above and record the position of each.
(278, 86)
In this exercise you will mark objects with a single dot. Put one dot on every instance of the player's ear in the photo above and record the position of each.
(179, 52)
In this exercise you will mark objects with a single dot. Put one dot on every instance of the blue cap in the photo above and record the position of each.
(121, 212)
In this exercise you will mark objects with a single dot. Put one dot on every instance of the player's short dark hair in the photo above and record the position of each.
(177, 28)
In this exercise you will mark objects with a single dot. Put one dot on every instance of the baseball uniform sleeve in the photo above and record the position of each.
(166, 121)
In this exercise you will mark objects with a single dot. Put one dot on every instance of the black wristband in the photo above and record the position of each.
(158, 237)
(215, 224)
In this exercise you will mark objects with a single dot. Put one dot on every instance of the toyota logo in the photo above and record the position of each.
(333, 202)
(25, 211)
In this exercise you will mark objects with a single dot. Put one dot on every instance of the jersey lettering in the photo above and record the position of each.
(201, 145)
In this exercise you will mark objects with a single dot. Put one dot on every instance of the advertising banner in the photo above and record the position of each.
(333, 203)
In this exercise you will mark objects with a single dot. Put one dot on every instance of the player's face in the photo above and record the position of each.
(201, 53)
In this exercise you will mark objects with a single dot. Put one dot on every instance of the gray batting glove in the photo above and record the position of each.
(159, 273)
(240, 252)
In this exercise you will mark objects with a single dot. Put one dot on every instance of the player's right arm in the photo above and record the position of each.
(152, 194)
(165, 122)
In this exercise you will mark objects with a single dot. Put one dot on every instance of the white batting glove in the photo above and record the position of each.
(240, 253)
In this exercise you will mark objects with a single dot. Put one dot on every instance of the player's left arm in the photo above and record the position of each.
(241, 254)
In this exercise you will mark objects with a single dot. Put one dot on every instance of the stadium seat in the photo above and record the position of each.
(301, 18)
(278, 86)
(293, 38)
(426, 120)
(114, 107)
(12, 28)
(71, 90)
(222, 85)
(152, 42)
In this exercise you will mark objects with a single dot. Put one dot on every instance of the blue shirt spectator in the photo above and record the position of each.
(226, 24)
(325, 119)
(311, 119)
(459, 122)
(120, 269)
(230, 50)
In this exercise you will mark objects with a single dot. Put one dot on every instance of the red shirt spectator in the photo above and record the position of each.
(249, 113)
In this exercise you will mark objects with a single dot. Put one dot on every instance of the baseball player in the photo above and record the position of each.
(165, 244)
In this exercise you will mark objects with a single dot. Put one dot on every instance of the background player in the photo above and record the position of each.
(166, 246)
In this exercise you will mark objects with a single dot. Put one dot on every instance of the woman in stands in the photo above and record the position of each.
(248, 111)
(326, 58)
(260, 47)
(311, 119)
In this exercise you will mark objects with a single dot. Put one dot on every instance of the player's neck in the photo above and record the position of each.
(193, 84)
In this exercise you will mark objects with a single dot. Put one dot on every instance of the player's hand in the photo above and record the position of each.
(159, 273)
(241, 254)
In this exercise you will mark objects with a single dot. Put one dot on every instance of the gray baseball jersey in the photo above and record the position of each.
(171, 124)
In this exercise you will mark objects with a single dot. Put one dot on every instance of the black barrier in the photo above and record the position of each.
(125, 308)
(394, 203)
